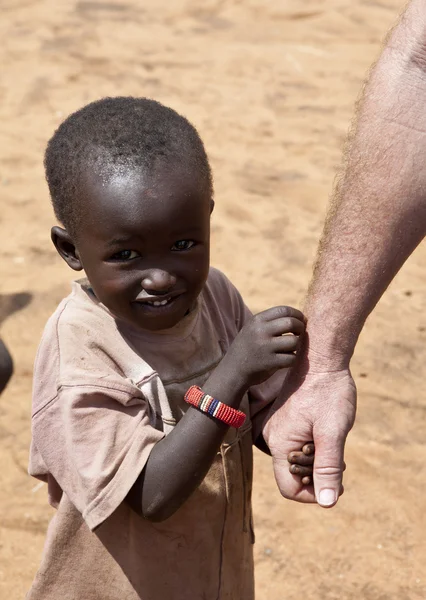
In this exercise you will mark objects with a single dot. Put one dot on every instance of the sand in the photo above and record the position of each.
(271, 87)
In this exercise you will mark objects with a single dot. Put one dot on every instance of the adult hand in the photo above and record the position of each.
(318, 407)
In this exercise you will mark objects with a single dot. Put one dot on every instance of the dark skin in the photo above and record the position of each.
(144, 242)
(9, 304)
(6, 366)
(301, 463)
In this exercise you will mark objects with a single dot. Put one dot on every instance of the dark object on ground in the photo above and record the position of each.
(6, 366)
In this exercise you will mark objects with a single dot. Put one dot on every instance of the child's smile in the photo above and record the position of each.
(144, 243)
(160, 301)
(159, 306)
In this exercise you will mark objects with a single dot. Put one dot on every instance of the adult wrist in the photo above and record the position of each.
(320, 354)
(330, 337)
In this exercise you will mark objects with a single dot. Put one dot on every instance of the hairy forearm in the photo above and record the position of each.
(378, 212)
(178, 463)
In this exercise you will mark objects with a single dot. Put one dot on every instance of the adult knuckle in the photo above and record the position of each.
(328, 470)
(332, 437)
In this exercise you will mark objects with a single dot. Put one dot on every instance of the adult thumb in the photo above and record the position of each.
(328, 470)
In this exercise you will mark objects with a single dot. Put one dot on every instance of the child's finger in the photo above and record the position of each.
(285, 343)
(301, 471)
(285, 325)
(283, 312)
(308, 448)
(299, 458)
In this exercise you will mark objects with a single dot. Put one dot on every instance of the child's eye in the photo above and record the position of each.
(125, 255)
(182, 245)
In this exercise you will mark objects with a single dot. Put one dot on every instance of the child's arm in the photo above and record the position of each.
(179, 462)
(6, 366)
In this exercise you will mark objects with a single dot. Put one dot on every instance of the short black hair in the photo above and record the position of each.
(123, 131)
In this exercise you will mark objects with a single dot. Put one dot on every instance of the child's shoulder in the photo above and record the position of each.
(78, 327)
(77, 313)
(82, 346)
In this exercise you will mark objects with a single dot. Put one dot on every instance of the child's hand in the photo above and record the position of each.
(302, 463)
(261, 347)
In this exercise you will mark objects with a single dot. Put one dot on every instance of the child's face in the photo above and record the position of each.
(144, 244)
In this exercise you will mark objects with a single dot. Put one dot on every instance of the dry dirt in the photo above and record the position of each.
(271, 86)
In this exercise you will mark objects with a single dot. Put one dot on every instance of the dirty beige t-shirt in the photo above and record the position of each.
(104, 394)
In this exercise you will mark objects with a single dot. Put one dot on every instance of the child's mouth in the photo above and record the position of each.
(158, 302)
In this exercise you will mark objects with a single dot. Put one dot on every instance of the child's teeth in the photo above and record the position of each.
(159, 302)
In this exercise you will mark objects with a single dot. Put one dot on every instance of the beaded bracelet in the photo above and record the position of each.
(209, 405)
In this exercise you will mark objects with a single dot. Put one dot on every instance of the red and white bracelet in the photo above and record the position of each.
(209, 405)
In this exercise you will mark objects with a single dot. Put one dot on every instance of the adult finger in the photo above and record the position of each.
(291, 486)
(328, 469)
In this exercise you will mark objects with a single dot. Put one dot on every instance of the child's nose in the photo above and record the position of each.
(157, 280)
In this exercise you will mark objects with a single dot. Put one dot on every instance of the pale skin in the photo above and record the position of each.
(376, 220)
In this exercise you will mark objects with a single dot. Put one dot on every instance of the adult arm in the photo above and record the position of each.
(376, 220)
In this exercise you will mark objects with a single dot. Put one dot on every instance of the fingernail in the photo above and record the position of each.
(327, 497)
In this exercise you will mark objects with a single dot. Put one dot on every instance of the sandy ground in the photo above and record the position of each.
(271, 87)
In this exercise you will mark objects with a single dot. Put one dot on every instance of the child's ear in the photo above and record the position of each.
(211, 205)
(66, 248)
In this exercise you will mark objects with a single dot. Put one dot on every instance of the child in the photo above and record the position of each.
(153, 495)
